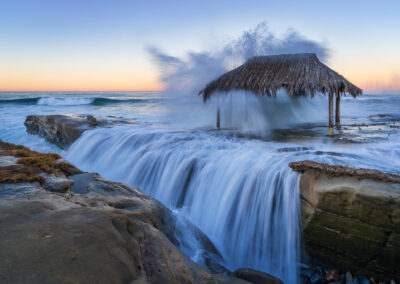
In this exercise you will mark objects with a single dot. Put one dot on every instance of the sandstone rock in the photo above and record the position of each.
(57, 184)
(108, 233)
(92, 121)
(257, 277)
(58, 129)
(352, 219)
(43, 243)
(63, 130)
(340, 171)
(6, 161)
(8, 190)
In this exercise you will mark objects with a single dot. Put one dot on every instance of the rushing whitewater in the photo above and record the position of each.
(234, 184)
(240, 194)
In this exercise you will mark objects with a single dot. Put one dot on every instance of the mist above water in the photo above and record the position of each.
(193, 71)
(185, 76)
(240, 193)
(236, 188)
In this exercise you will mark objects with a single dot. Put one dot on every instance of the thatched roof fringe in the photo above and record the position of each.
(298, 74)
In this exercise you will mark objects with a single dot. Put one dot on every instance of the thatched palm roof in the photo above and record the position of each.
(298, 74)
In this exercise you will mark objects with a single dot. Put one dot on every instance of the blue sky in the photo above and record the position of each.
(101, 45)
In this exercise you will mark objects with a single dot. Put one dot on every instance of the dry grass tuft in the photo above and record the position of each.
(20, 177)
(9, 146)
(31, 164)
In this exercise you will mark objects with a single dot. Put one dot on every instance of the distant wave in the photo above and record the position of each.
(30, 101)
(65, 101)
(70, 101)
(104, 101)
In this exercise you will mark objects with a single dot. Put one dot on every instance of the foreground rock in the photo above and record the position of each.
(351, 217)
(63, 130)
(96, 231)
(255, 276)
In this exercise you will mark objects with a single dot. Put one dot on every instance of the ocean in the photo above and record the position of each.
(235, 183)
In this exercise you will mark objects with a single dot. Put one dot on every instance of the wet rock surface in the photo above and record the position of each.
(341, 171)
(312, 274)
(255, 276)
(57, 184)
(6, 161)
(351, 218)
(63, 130)
(96, 232)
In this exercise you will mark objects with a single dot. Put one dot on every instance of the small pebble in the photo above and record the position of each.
(349, 278)
(315, 278)
(332, 275)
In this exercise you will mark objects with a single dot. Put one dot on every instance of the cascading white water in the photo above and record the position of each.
(239, 191)
(241, 194)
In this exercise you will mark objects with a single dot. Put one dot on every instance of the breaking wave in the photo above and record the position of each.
(68, 101)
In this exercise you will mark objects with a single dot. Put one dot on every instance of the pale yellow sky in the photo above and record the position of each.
(74, 45)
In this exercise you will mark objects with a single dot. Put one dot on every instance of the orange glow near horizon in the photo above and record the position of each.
(65, 77)
(96, 81)
(369, 75)
(389, 83)
(145, 84)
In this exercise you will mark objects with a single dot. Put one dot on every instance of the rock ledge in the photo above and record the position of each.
(351, 218)
(340, 171)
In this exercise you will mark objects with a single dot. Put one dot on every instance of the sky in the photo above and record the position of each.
(101, 45)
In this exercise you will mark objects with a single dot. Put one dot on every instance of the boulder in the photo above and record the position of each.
(98, 232)
(57, 184)
(63, 130)
(351, 217)
(256, 277)
(49, 240)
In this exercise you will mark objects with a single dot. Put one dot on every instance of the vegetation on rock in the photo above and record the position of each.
(31, 164)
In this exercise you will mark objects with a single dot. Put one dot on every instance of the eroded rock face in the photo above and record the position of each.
(93, 231)
(255, 276)
(57, 184)
(51, 240)
(63, 130)
(352, 219)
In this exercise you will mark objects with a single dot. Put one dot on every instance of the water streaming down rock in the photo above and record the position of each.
(241, 194)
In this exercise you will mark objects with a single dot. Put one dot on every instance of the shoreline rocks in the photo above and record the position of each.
(63, 130)
(351, 218)
(101, 231)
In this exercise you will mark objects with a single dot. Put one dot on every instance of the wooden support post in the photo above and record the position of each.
(330, 110)
(337, 115)
(218, 117)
